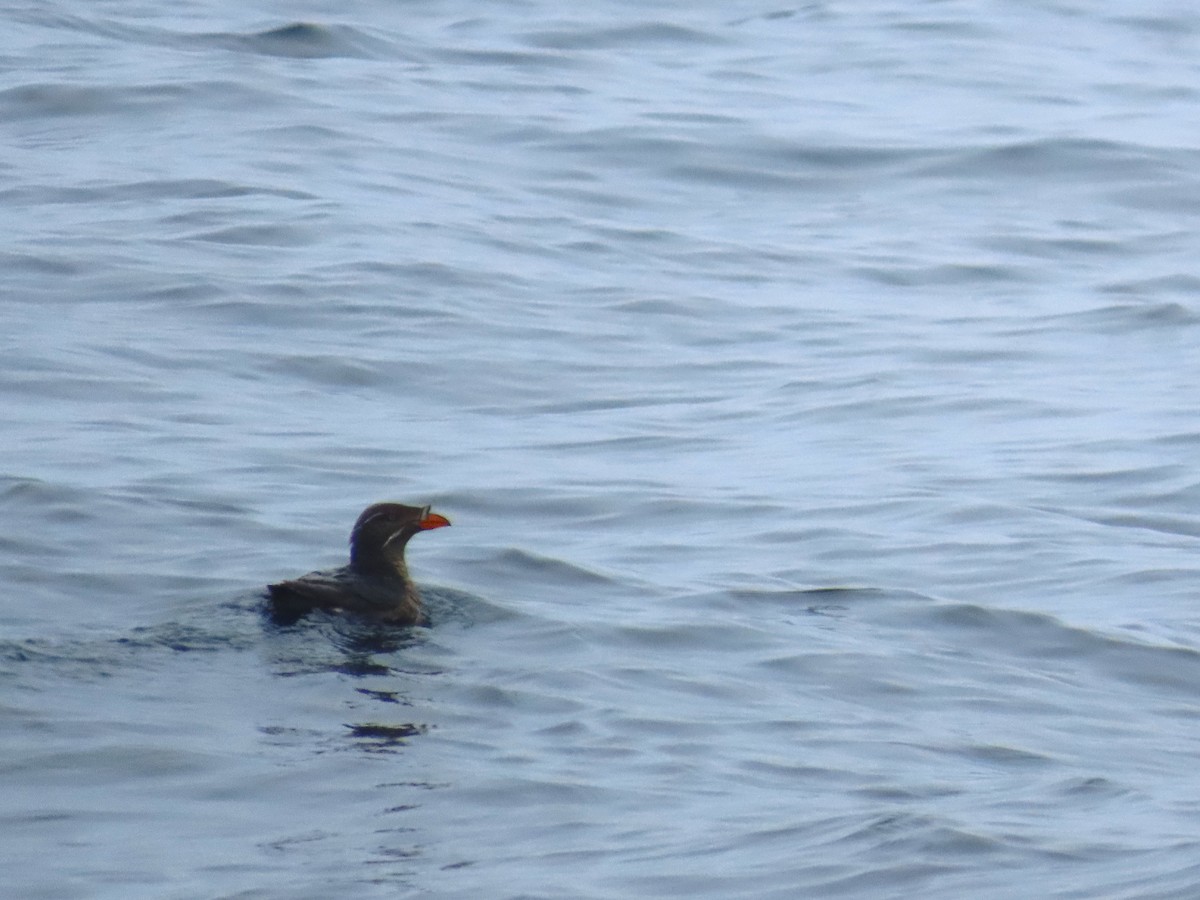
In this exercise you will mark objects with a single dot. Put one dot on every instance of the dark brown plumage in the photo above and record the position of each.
(375, 584)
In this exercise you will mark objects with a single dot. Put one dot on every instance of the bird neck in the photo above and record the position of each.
(379, 561)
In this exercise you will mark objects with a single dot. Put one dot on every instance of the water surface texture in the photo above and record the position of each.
(812, 389)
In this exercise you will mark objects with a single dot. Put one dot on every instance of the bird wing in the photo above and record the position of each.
(294, 598)
(319, 593)
(332, 590)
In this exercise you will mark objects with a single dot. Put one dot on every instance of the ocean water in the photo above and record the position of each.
(812, 389)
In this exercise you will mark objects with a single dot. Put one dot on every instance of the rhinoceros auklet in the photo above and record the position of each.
(375, 584)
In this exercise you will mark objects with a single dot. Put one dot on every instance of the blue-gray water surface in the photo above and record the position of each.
(812, 389)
